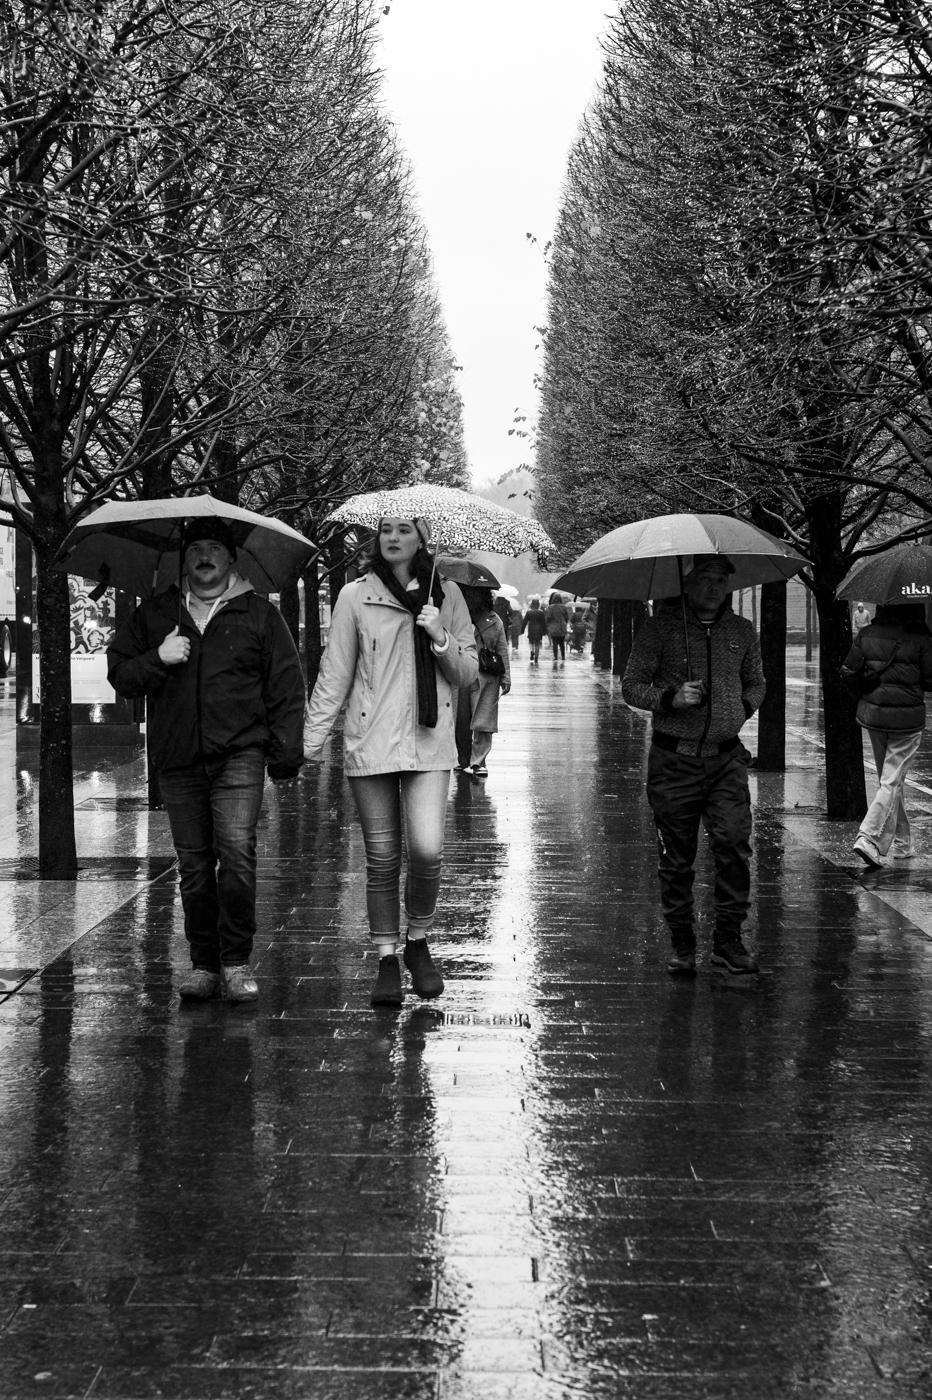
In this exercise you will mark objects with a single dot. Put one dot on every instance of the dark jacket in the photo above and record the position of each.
(555, 618)
(534, 624)
(503, 609)
(241, 686)
(725, 653)
(898, 645)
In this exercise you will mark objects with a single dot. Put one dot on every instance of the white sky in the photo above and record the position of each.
(487, 96)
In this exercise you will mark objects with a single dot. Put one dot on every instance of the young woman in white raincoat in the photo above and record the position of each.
(394, 657)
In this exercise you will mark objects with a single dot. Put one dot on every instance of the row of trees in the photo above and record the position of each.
(211, 277)
(740, 296)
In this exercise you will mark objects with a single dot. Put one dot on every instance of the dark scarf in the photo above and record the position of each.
(425, 668)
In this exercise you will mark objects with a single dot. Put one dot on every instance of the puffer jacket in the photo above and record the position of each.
(369, 666)
(905, 659)
(725, 653)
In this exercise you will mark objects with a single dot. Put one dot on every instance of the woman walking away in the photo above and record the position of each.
(477, 706)
(393, 657)
(888, 668)
(578, 629)
(556, 618)
(535, 627)
(514, 627)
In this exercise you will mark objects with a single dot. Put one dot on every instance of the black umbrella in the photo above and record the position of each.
(466, 572)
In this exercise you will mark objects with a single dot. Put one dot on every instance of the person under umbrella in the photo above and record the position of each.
(401, 640)
(556, 618)
(477, 707)
(503, 609)
(697, 769)
(225, 700)
(888, 668)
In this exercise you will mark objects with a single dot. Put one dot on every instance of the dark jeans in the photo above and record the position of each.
(391, 805)
(213, 808)
(683, 791)
(559, 647)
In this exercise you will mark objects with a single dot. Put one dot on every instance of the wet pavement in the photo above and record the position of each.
(572, 1176)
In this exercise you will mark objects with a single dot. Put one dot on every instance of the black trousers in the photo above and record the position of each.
(683, 792)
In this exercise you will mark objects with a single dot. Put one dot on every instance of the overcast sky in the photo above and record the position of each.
(487, 96)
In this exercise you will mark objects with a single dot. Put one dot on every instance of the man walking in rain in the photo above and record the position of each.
(697, 769)
(225, 699)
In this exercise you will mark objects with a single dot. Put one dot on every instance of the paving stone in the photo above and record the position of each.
(571, 1176)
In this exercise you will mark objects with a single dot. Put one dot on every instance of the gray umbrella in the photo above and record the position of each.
(135, 545)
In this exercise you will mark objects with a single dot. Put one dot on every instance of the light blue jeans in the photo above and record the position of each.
(886, 822)
(396, 807)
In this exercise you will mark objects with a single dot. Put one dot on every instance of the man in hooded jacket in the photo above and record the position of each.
(225, 699)
(697, 769)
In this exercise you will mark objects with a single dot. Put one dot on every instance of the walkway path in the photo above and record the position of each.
(570, 1177)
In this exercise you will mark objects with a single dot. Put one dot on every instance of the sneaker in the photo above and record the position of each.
(425, 975)
(479, 770)
(865, 848)
(239, 983)
(905, 853)
(682, 962)
(387, 990)
(199, 985)
(732, 955)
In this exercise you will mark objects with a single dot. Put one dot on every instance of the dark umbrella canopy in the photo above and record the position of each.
(135, 545)
(900, 575)
(466, 572)
(648, 558)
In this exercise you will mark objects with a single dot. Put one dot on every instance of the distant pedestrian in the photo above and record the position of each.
(394, 657)
(888, 667)
(477, 704)
(859, 618)
(578, 629)
(535, 626)
(556, 618)
(225, 700)
(514, 627)
(697, 769)
(502, 608)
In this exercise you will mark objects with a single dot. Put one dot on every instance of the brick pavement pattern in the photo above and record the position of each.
(573, 1176)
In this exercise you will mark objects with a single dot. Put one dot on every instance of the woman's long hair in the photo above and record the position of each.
(479, 601)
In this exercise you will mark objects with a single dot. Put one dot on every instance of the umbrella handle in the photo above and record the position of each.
(430, 586)
(689, 664)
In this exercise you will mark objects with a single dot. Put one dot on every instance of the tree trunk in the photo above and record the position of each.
(808, 625)
(622, 635)
(771, 734)
(58, 858)
(290, 607)
(845, 792)
(313, 642)
(602, 645)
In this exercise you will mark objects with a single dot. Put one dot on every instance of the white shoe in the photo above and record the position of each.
(865, 848)
(907, 854)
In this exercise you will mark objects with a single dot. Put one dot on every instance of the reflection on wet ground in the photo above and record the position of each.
(569, 1177)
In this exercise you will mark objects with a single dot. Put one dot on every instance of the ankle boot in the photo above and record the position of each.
(387, 990)
(425, 977)
(682, 962)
